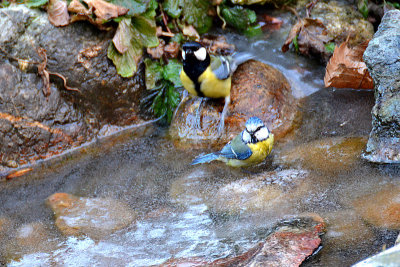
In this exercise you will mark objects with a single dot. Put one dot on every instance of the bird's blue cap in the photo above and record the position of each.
(254, 120)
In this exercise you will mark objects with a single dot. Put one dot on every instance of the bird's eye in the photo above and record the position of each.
(183, 54)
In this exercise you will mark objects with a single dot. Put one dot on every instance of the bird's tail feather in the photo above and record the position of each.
(205, 159)
(239, 58)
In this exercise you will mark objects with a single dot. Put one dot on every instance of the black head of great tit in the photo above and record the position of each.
(250, 147)
(209, 76)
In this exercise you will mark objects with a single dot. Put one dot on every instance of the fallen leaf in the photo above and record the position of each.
(157, 52)
(190, 31)
(217, 45)
(97, 13)
(172, 50)
(57, 11)
(311, 37)
(346, 68)
(271, 23)
(105, 11)
(18, 173)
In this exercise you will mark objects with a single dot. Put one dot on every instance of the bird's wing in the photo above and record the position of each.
(236, 149)
(220, 67)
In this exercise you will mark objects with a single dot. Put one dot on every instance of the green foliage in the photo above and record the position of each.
(330, 47)
(135, 33)
(192, 12)
(166, 80)
(393, 4)
(363, 7)
(238, 17)
(242, 19)
(35, 3)
(4, 4)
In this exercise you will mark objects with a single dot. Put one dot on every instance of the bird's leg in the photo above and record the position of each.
(185, 95)
(198, 113)
(223, 114)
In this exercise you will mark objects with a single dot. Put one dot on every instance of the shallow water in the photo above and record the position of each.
(143, 169)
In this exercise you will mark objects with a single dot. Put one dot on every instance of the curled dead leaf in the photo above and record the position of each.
(172, 50)
(217, 45)
(158, 51)
(18, 173)
(105, 11)
(271, 23)
(57, 11)
(97, 13)
(311, 37)
(346, 68)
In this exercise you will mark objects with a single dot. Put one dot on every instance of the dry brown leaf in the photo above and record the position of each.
(58, 13)
(311, 37)
(172, 49)
(271, 23)
(105, 11)
(102, 11)
(346, 68)
(190, 31)
(217, 45)
(43, 72)
(121, 42)
(158, 51)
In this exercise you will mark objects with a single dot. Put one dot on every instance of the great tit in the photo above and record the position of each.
(250, 147)
(209, 76)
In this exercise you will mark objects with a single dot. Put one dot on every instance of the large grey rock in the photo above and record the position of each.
(33, 126)
(382, 57)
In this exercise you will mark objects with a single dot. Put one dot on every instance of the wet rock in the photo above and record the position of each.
(343, 21)
(329, 23)
(389, 257)
(289, 245)
(31, 238)
(94, 217)
(346, 230)
(268, 192)
(329, 155)
(382, 58)
(381, 208)
(33, 126)
(257, 90)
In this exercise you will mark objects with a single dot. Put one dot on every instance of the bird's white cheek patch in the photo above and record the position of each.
(183, 55)
(262, 134)
(201, 54)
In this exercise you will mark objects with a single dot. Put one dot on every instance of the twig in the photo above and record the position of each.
(164, 18)
(65, 81)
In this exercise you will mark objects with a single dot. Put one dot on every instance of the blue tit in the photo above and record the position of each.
(250, 147)
(209, 76)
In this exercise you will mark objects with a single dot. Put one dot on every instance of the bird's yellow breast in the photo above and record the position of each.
(213, 87)
(259, 151)
(210, 85)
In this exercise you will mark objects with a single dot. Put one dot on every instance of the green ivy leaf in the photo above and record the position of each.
(127, 62)
(132, 36)
(172, 7)
(144, 31)
(193, 12)
(35, 3)
(171, 72)
(153, 73)
(238, 17)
